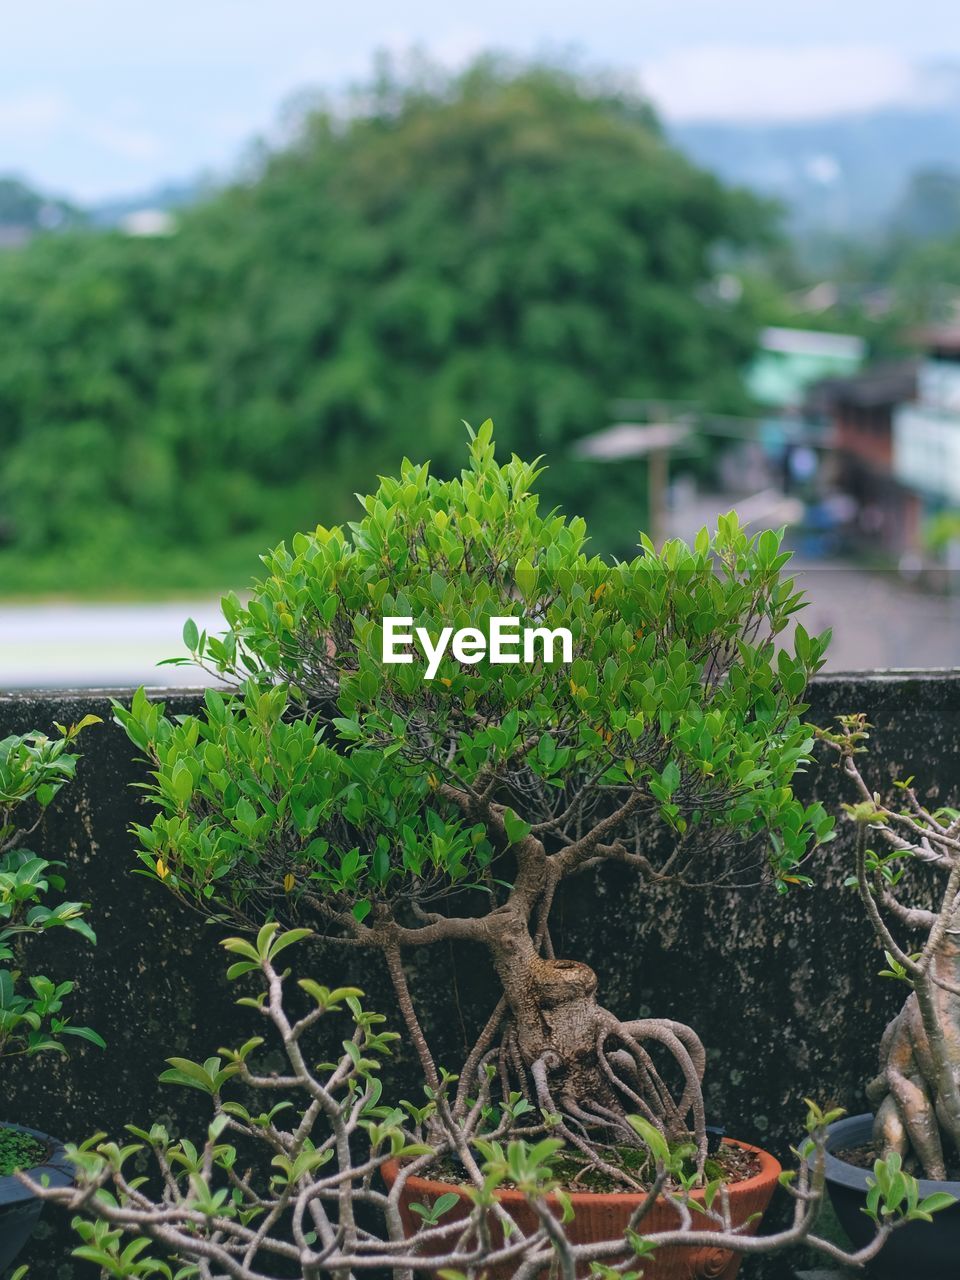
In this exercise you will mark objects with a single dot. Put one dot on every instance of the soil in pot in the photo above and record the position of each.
(39, 1155)
(866, 1155)
(731, 1163)
(923, 1249)
(603, 1215)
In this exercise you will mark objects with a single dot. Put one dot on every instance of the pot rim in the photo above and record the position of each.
(769, 1171)
(57, 1168)
(853, 1131)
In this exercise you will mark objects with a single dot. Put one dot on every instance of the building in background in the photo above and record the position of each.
(895, 435)
(926, 432)
(789, 361)
(858, 413)
(798, 447)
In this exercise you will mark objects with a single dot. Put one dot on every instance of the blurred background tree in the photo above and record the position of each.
(515, 241)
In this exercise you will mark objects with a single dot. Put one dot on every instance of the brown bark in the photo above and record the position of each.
(571, 1056)
(553, 1010)
(916, 1093)
(558, 1046)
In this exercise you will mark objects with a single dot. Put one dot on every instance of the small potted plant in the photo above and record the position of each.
(914, 1126)
(445, 712)
(33, 768)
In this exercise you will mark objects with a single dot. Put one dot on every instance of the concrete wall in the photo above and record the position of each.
(781, 989)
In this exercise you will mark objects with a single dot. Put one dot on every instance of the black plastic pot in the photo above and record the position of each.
(19, 1209)
(922, 1249)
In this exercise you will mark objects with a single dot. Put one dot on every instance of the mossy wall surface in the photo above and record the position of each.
(782, 990)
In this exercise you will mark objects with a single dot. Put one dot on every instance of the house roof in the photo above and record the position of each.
(631, 440)
(884, 384)
(812, 342)
(940, 337)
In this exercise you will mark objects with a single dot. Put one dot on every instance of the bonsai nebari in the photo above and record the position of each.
(916, 1095)
(33, 769)
(393, 811)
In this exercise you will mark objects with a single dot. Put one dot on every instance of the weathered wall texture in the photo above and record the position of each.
(782, 990)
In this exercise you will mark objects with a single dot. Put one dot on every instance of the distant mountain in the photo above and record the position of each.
(930, 207)
(843, 175)
(167, 198)
(25, 211)
(892, 169)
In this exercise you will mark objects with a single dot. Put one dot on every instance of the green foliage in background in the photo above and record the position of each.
(516, 242)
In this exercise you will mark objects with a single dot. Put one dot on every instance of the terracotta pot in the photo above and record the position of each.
(599, 1216)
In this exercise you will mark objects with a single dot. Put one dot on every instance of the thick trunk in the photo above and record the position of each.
(917, 1093)
(555, 1018)
(574, 1058)
(570, 1057)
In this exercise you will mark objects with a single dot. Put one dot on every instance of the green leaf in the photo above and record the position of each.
(84, 1033)
(526, 577)
(515, 827)
(936, 1202)
(651, 1136)
(670, 778)
(443, 1204)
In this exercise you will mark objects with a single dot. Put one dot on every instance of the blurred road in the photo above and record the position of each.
(878, 620)
(98, 645)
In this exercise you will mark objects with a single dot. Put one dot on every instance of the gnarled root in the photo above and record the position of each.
(587, 1070)
(909, 1119)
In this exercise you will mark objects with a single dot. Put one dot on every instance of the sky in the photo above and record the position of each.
(103, 98)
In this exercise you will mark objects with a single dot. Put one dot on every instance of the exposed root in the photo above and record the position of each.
(512, 1067)
(589, 1092)
(583, 1145)
(690, 1056)
(477, 1054)
(584, 1069)
(905, 1097)
(628, 1070)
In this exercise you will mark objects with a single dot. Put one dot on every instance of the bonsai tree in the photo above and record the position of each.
(638, 713)
(33, 769)
(916, 1095)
